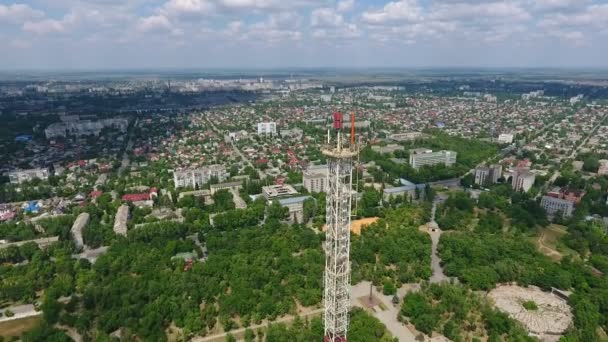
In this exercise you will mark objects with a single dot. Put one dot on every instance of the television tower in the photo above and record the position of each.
(337, 242)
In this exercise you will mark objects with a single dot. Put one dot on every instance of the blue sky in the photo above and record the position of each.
(110, 34)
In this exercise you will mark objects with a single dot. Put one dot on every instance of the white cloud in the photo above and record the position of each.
(403, 10)
(345, 5)
(325, 17)
(509, 11)
(155, 23)
(20, 44)
(46, 26)
(187, 7)
(557, 4)
(17, 13)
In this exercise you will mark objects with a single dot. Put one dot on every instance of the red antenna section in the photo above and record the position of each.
(337, 120)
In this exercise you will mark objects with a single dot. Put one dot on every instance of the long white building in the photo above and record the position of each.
(422, 157)
(197, 177)
(20, 176)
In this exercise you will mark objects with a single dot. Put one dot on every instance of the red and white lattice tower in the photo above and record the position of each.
(337, 243)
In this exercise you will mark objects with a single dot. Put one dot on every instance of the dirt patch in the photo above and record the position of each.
(369, 303)
(16, 327)
(551, 318)
(357, 225)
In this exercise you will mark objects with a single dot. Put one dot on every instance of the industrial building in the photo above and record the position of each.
(315, 178)
(554, 205)
(420, 157)
(198, 177)
(20, 176)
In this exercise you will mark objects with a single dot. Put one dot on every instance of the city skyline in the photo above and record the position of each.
(112, 34)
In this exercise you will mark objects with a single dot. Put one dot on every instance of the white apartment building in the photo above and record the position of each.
(505, 138)
(198, 177)
(523, 180)
(295, 206)
(315, 178)
(421, 157)
(488, 175)
(18, 177)
(267, 128)
(554, 205)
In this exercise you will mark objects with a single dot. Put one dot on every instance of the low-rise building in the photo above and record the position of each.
(275, 191)
(390, 148)
(236, 186)
(422, 157)
(409, 191)
(20, 176)
(410, 136)
(554, 205)
(120, 220)
(315, 178)
(81, 221)
(505, 138)
(295, 206)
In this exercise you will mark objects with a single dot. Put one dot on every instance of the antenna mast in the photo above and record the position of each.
(337, 242)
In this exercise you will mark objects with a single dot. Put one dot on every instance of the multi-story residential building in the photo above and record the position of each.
(232, 186)
(488, 175)
(18, 177)
(280, 190)
(554, 205)
(315, 178)
(267, 128)
(421, 157)
(522, 180)
(86, 127)
(197, 177)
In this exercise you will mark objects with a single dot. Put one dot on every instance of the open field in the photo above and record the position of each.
(16, 327)
(548, 242)
(357, 225)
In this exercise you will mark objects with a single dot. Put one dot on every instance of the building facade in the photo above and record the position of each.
(554, 205)
(18, 177)
(488, 175)
(422, 157)
(267, 128)
(315, 178)
(271, 192)
(197, 177)
(295, 206)
(523, 180)
(505, 138)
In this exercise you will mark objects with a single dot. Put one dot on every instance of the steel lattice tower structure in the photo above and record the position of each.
(337, 242)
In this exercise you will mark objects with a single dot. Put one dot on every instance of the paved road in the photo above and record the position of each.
(20, 311)
(238, 201)
(388, 317)
(433, 229)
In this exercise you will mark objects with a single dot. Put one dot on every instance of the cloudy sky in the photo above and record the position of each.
(116, 34)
